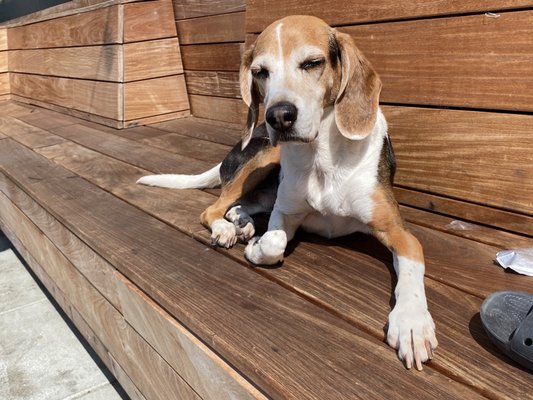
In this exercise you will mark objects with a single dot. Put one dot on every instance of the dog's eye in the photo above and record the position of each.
(311, 64)
(260, 73)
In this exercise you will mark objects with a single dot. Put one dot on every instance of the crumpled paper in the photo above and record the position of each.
(519, 260)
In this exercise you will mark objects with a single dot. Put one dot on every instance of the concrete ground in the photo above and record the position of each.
(42, 356)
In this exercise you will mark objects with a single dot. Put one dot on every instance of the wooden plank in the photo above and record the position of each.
(148, 20)
(150, 159)
(155, 96)
(3, 39)
(100, 98)
(70, 112)
(56, 91)
(458, 56)
(100, 26)
(46, 120)
(3, 61)
(260, 13)
(345, 278)
(5, 87)
(470, 230)
(152, 59)
(218, 108)
(198, 8)
(90, 62)
(213, 83)
(453, 153)
(121, 340)
(5, 97)
(201, 368)
(155, 119)
(212, 57)
(509, 221)
(212, 29)
(205, 129)
(14, 109)
(26, 134)
(188, 146)
(250, 334)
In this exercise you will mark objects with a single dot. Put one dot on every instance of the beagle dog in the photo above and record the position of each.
(322, 162)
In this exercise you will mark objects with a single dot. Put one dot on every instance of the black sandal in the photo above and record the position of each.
(508, 320)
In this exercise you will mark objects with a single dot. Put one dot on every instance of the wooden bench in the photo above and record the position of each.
(174, 318)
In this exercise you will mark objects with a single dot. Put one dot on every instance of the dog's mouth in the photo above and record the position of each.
(288, 136)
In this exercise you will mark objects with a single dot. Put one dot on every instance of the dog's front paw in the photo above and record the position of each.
(412, 332)
(268, 250)
(223, 233)
(243, 222)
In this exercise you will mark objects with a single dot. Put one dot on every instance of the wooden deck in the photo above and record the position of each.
(174, 318)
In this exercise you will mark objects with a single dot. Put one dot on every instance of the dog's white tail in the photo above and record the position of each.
(208, 179)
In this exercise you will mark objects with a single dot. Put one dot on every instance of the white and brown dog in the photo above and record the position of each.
(321, 98)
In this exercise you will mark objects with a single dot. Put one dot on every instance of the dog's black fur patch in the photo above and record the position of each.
(387, 162)
(334, 51)
(237, 158)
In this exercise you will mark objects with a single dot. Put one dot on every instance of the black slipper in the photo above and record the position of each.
(508, 319)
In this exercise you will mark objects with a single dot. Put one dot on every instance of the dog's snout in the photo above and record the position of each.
(281, 116)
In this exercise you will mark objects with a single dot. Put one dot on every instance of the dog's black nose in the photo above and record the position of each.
(281, 116)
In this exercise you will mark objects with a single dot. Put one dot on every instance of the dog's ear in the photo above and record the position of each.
(357, 102)
(249, 95)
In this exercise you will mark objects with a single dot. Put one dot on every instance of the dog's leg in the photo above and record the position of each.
(269, 249)
(223, 232)
(411, 329)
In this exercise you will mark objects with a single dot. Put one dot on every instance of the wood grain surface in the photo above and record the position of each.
(156, 96)
(258, 305)
(213, 83)
(141, 60)
(260, 13)
(110, 326)
(89, 62)
(5, 87)
(3, 39)
(212, 57)
(453, 153)
(100, 26)
(199, 8)
(147, 20)
(212, 29)
(219, 108)
(472, 61)
(3, 61)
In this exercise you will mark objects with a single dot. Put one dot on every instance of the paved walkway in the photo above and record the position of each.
(41, 354)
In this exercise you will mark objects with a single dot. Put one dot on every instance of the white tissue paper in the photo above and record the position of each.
(519, 260)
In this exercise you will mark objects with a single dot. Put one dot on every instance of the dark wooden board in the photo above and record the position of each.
(509, 221)
(279, 320)
(453, 153)
(212, 29)
(213, 83)
(473, 61)
(212, 57)
(199, 8)
(260, 13)
(153, 160)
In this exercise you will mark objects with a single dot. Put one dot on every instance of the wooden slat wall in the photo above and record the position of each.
(212, 39)
(119, 64)
(472, 161)
(4, 75)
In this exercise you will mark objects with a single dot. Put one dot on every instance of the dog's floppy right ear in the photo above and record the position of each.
(249, 95)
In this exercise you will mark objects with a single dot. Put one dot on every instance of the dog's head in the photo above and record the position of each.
(298, 67)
